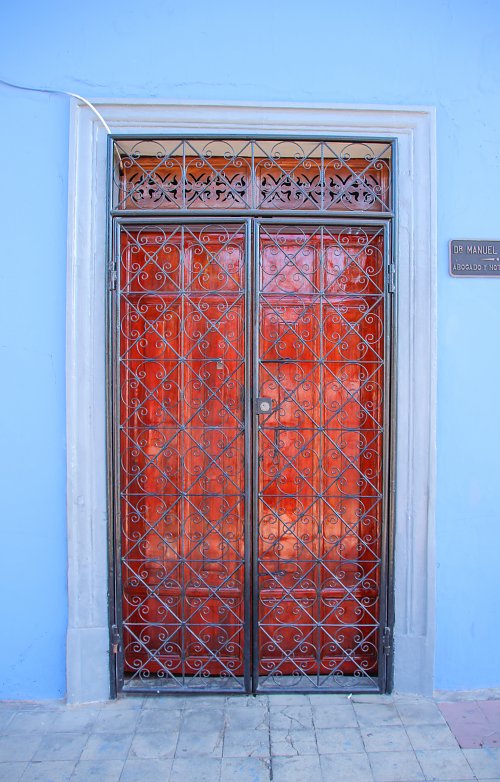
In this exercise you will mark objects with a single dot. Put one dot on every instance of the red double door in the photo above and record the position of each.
(251, 376)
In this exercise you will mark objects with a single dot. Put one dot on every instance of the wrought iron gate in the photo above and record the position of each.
(249, 406)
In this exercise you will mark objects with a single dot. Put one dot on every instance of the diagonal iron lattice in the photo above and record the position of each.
(182, 371)
(320, 301)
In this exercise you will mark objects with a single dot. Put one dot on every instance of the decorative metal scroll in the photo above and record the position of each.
(253, 174)
(320, 306)
(182, 433)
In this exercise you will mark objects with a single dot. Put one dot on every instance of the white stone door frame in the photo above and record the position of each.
(88, 670)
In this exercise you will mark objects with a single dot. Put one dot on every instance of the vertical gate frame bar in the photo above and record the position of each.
(110, 422)
(385, 565)
(392, 438)
(115, 457)
(248, 513)
(255, 264)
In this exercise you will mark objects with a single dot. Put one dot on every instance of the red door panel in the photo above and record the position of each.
(321, 352)
(184, 341)
(182, 352)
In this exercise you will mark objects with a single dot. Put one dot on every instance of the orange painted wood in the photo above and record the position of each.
(321, 343)
(182, 427)
(282, 183)
(182, 443)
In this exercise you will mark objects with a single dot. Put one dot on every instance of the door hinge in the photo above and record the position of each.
(115, 639)
(391, 278)
(386, 640)
(113, 275)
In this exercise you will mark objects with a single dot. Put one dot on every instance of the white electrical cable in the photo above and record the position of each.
(59, 92)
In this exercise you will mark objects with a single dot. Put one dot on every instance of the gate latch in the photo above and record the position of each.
(264, 405)
(115, 639)
(386, 640)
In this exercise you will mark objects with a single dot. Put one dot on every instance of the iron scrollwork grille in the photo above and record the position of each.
(320, 358)
(217, 282)
(252, 174)
(182, 362)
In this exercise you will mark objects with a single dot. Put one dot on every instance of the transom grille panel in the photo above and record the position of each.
(253, 174)
(249, 409)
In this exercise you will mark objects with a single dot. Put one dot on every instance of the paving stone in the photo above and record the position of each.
(245, 770)
(61, 746)
(395, 767)
(379, 714)
(159, 720)
(431, 737)
(170, 702)
(15, 748)
(154, 745)
(204, 702)
(97, 771)
(246, 743)
(287, 699)
(475, 724)
(11, 772)
(301, 769)
(334, 716)
(124, 703)
(151, 770)
(346, 767)
(388, 739)
(420, 712)
(75, 719)
(444, 764)
(245, 718)
(332, 740)
(206, 744)
(485, 763)
(373, 698)
(248, 702)
(107, 746)
(199, 720)
(11, 705)
(32, 721)
(5, 718)
(287, 717)
(110, 721)
(49, 771)
(492, 709)
(293, 743)
(329, 699)
(195, 769)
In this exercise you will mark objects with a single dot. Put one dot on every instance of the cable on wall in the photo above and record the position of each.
(59, 92)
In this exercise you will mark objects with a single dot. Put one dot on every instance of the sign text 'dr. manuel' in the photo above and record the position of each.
(475, 258)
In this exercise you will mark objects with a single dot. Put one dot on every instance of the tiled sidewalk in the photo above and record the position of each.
(299, 738)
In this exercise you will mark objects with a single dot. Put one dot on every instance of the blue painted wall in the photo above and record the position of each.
(435, 52)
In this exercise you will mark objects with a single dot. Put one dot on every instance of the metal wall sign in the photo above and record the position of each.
(475, 258)
(249, 413)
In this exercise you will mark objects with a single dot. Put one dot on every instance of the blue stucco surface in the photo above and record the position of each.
(438, 53)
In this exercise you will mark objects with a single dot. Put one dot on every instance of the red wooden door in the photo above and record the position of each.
(186, 353)
(321, 362)
(182, 410)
